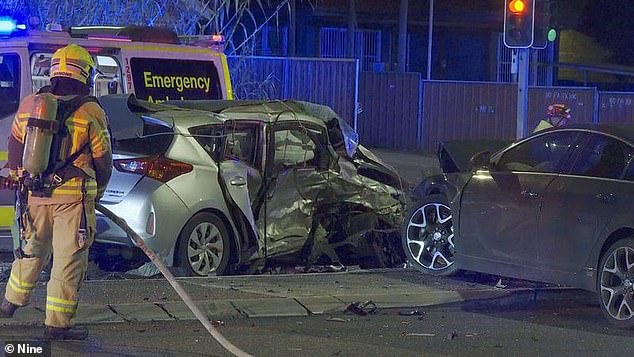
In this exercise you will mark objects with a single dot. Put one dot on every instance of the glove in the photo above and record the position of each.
(8, 183)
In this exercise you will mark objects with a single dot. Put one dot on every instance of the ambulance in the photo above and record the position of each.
(152, 63)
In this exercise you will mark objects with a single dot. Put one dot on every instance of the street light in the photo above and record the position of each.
(519, 23)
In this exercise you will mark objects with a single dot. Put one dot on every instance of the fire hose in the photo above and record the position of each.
(6, 183)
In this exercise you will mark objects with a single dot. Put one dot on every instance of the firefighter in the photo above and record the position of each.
(556, 115)
(60, 221)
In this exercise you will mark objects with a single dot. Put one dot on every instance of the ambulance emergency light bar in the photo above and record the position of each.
(9, 26)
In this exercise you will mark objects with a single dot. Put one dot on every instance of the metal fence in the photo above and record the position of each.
(452, 110)
(390, 109)
(467, 110)
(615, 107)
(333, 82)
(400, 111)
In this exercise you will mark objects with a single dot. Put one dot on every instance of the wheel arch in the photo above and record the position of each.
(621, 233)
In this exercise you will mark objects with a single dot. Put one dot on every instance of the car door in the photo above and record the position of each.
(296, 163)
(500, 206)
(578, 204)
(236, 147)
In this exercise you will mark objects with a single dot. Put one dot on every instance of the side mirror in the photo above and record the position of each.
(480, 160)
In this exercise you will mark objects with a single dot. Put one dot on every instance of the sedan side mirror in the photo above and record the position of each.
(480, 160)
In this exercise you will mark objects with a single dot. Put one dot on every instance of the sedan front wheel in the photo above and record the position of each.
(615, 283)
(428, 236)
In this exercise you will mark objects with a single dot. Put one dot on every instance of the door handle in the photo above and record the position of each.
(607, 197)
(529, 193)
(238, 181)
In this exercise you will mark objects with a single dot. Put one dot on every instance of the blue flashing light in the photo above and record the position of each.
(7, 26)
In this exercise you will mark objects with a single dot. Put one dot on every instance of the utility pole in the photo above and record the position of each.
(402, 37)
(292, 29)
(352, 28)
(522, 91)
(519, 34)
(430, 38)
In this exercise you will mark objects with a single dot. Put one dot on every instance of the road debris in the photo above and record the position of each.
(361, 309)
(337, 319)
(421, 334)
(415, 312)
(452, 335)
(500, 285)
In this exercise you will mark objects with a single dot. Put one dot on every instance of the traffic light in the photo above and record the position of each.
(519, 23)
(544, 10)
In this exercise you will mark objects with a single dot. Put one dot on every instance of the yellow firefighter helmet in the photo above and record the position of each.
(73, 62)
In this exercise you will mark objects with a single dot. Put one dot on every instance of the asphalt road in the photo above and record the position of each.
(570, 326)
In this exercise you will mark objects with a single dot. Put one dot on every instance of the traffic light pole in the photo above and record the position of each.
(522, 92)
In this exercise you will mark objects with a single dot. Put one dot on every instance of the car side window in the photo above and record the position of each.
(295, 147)
(540, 154)
(229, 142)
(602, 156)
(240, 144)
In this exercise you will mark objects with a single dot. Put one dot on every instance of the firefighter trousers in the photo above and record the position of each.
(57, 229)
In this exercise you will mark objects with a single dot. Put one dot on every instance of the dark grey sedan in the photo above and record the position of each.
(556, 207)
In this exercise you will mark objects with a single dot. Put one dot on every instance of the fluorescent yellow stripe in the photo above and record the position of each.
(61, 301)
(60, 309)
(225, 71)
(4, 155)
(17, 288)
(21, 283)
(7, 215)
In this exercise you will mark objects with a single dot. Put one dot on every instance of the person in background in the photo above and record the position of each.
(556, 115)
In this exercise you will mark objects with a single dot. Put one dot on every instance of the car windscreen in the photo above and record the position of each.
(157, 80)
(155, 138)
(9, 83)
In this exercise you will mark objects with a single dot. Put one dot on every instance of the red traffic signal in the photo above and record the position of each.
(519, 23)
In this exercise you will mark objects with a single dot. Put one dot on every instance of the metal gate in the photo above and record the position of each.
(390, 110)
(332, 82)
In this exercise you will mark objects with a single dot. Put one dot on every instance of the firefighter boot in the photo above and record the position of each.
(7, 309)
(65, 333)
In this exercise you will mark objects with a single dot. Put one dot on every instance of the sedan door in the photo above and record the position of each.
(295, 184)
(578, 205)
(500, 206)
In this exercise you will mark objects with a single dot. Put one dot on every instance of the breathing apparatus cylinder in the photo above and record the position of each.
(41, 127)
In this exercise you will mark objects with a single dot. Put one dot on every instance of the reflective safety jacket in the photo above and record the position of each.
(542, 125)
(88, 132)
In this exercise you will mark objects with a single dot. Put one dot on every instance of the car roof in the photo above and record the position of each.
(127, 114)
(622, 131)
(268, 111)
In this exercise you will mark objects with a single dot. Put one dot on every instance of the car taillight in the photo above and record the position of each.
(159, 168)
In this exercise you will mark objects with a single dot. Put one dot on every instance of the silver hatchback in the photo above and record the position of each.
(231, 187)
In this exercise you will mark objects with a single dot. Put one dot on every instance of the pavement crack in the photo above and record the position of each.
(304, 306)
(118, 314)
(165, 310)
(239, 310)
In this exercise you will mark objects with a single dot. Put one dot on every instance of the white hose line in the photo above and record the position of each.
(170, 278)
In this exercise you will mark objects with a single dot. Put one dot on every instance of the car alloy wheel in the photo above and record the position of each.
(428, 236)
(616, 283)
(203, 246)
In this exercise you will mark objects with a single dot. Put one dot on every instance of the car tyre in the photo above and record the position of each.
(428, 236)
(615, 283)
(203, 246)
